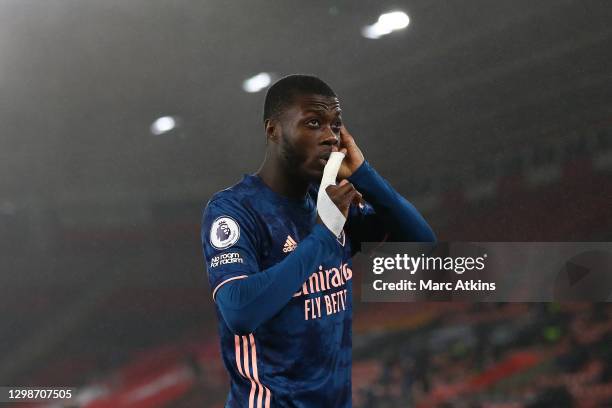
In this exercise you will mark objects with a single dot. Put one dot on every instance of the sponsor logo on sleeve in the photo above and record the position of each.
(224, 232)
(226, 259)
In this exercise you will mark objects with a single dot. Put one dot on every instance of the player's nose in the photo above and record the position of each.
(330, 138)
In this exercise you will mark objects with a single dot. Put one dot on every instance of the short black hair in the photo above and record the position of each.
(281, 94)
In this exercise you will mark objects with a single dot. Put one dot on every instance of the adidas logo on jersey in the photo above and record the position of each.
(290, 244)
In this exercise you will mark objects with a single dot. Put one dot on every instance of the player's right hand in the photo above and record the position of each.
(343, 195)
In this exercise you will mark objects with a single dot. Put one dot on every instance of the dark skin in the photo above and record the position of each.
(299, 143)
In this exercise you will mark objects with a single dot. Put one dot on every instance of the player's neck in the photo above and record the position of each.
(280, 180)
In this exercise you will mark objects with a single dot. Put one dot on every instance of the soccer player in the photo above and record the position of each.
(280, 279)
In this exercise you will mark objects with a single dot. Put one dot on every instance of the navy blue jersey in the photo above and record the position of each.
(302, 356)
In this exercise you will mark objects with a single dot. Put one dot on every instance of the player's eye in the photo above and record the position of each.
(313, 123)
(336, 127)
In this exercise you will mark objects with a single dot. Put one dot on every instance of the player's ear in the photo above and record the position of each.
(273, 130)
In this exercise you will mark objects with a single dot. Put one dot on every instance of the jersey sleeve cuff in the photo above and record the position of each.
(326, 236)
(363, 174)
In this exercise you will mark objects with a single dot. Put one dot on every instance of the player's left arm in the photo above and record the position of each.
(392, 214)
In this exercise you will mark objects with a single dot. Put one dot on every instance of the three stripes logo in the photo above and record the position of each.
(246, 362)
(290, 244)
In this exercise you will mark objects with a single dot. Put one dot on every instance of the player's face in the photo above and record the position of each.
(310, 132)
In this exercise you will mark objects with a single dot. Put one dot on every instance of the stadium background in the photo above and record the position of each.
(494, 118)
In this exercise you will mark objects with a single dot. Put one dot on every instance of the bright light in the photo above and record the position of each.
(394, 21)
(386, 24)
(257, 83)
(163, 125)
(374, 31)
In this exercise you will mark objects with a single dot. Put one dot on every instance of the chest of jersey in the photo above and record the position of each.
(282, 230)
(327, 291)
